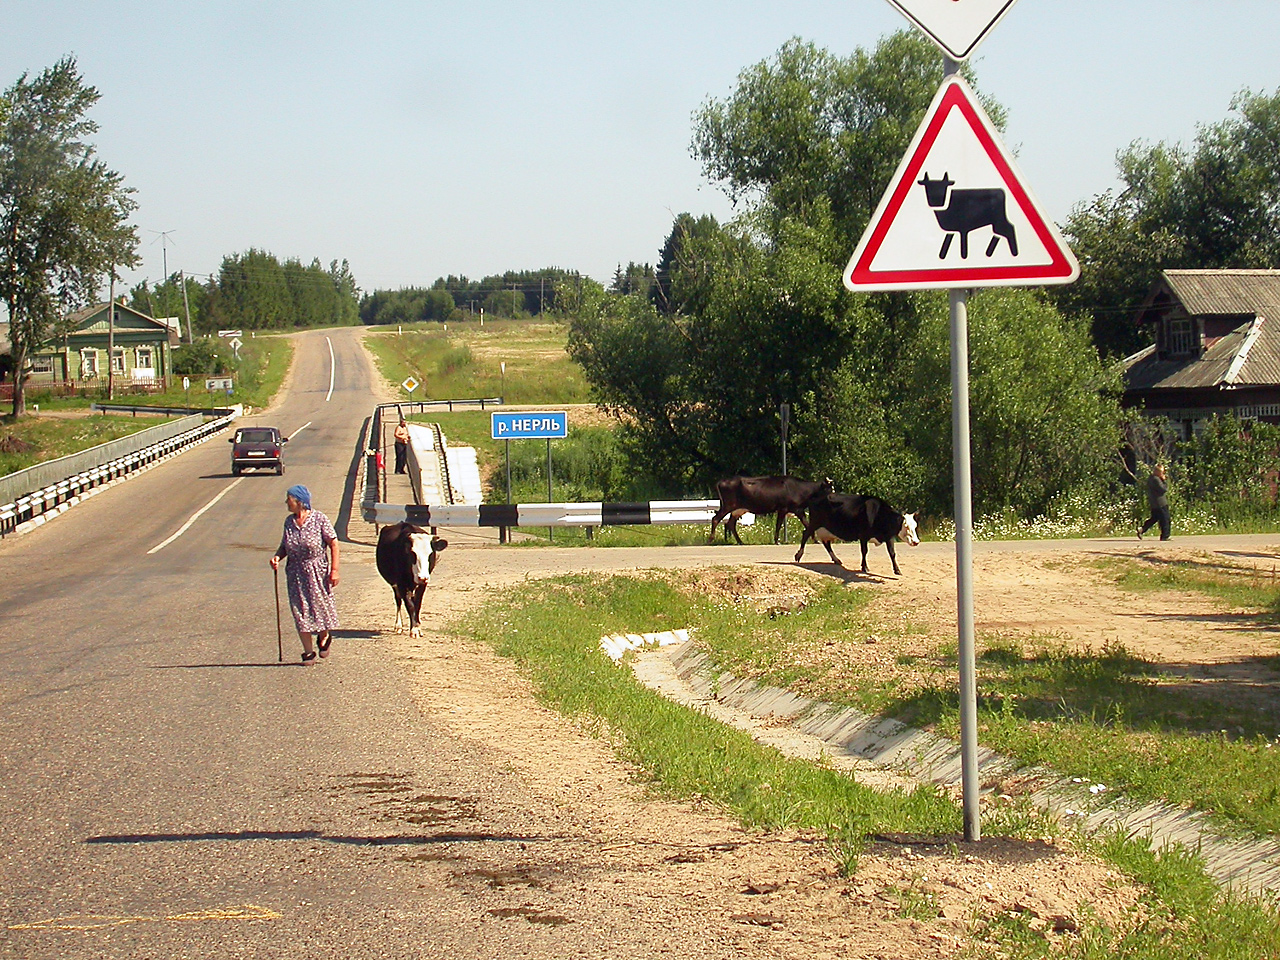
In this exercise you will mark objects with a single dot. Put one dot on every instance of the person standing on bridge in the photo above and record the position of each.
(402, 446)
(311, 544)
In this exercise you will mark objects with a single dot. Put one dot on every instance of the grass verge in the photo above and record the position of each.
(551, 628)
(465, 360)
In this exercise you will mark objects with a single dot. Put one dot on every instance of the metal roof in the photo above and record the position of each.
(1247, 356)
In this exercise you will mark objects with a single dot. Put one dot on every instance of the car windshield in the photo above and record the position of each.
(256, 436)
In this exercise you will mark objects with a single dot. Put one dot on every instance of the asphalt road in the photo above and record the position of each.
(167, 788)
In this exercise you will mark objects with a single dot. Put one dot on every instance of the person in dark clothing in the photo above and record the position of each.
(402, 446)
(1158, 500)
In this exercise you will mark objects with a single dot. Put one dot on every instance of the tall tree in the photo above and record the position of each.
(63, 214)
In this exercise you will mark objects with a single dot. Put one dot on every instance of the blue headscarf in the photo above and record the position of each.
(301, 494)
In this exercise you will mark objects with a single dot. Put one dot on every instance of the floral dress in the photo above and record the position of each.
(310, 595)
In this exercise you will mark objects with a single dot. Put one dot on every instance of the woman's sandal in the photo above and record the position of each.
(323, 645)
(309, 656)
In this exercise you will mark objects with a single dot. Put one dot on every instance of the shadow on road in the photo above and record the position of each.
(387, 840)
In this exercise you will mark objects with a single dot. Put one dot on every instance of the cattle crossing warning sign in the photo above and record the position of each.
(956, 214)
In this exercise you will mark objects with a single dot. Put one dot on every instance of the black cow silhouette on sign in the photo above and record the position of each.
(967, 211)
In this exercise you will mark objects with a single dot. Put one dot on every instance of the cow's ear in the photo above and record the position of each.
(438, 544)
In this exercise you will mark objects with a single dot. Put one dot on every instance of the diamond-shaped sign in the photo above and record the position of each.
(957, 26)
(410, 384)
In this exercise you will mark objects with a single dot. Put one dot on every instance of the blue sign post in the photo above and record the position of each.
(530, 425)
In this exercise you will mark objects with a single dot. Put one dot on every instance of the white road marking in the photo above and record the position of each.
(300, 429)
(194, 517)
(332, 364)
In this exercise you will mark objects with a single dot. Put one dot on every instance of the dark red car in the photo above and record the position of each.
(258, 447)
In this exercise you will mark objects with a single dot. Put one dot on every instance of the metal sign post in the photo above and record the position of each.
(963, 505)
(956, 179)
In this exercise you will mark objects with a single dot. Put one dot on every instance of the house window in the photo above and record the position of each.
(1182, 339)
(117, 360)
(88, 363)
(142, 358)
(42, 365)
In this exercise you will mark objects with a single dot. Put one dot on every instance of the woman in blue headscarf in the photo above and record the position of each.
(310, 543)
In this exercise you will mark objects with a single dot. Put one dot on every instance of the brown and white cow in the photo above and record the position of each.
(761, 496)
(866, 519)
(406, 556)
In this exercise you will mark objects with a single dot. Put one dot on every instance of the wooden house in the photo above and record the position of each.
(1216, 350)
(143, 351)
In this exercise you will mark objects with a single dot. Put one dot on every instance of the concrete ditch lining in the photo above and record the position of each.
(886, 754)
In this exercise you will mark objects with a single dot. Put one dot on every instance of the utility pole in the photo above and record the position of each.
(186, 304)
(111, 338)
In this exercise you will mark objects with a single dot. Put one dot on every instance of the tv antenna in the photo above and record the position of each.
(163, 238)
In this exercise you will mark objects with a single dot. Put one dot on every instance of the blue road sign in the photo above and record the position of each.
(531, 425)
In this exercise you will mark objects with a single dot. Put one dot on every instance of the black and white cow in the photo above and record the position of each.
(866, 519)
(406, 556)
(762, 496)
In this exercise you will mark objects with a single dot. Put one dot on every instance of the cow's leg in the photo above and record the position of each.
(946, 245)
(716, 518)
(803, 540)
(864, 557)
(777, 527)
(395, 591)
(834, 558)
(731, 525)
(416, 629)
(894, 557)
(964, 244)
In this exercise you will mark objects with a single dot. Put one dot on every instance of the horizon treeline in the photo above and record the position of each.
(514, 294)
(255, 291)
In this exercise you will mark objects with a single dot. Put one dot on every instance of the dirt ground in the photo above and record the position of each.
(783, 893)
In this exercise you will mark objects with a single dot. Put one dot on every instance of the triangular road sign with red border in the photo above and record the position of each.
(956, 214)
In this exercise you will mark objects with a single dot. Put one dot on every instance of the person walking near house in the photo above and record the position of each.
(311, 545)
(402, 446)
(1158, 500)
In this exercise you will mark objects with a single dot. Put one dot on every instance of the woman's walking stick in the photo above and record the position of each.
(275, 573)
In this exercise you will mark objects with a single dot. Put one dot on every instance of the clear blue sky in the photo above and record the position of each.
(417, 139)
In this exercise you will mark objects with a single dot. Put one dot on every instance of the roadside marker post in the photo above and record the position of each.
(957, 179)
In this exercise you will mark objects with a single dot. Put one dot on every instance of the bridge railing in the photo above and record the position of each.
(49, 487)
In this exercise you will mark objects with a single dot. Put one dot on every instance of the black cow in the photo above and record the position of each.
(848, 517)
(406, 555)
(968, 210)
(762, 496)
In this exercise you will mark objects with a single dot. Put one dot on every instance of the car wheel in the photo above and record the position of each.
(280, 470)
(235, 470)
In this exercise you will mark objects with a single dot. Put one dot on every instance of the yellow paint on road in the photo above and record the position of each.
(96, 921)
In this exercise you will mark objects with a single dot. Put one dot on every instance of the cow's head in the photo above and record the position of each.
(935, 191)
(908, 531)
(425, 549)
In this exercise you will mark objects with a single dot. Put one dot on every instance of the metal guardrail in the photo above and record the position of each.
(68, 489)
(135, 409)
(40, 475)
(425, 406)
(548, 514)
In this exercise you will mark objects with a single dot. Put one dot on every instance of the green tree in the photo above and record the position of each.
(808, 125)
(1215, 204)
(166, 299)
(752, 315)
(63, 213)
